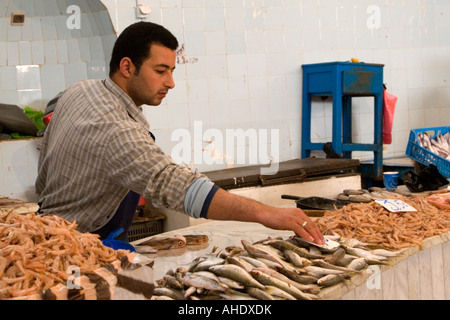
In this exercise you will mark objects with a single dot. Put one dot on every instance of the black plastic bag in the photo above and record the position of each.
(427, 179)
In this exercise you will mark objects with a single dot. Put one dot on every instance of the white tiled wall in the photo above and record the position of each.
(241, 63)
(244, 62)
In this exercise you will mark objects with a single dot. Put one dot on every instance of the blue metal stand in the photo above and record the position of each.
(342, 81)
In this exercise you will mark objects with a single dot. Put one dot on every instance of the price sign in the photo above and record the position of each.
(395, 205)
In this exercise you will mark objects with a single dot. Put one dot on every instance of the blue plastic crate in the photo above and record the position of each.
(425, 156)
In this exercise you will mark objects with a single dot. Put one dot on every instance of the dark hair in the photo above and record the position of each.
(135, 42)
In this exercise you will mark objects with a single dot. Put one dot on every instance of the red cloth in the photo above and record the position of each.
(389, 103)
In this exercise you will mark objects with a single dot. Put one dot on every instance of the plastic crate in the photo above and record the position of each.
(425, 156)
(142, 230)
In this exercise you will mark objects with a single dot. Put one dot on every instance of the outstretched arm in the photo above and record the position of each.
(227, 206)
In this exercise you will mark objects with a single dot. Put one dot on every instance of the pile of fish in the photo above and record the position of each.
(271, 269)
(439, 145)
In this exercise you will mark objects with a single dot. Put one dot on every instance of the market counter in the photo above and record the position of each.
(416, 274)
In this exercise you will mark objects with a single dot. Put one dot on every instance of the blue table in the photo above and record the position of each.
(342, 81)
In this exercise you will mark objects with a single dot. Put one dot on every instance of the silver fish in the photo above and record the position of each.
(259, 293)
(330, 280)
(386, 253)
(357, 264)
(231, 283)
(295, 259)
(305, 288)
(255, 262)
(240, 262)
(172, 293)
(277, 293)
(364, 254)
(209, 262)
(319, 272)
(269, 280)
(285, 245)
(264, 252)
(235, 273)
(198, 281)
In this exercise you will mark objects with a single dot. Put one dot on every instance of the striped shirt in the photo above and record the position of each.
(97, 148)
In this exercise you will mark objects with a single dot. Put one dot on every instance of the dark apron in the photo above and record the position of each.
(122, 218)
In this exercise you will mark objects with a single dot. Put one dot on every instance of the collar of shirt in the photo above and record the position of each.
(133, 110)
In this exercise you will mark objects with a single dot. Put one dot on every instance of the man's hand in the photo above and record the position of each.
(227, 206)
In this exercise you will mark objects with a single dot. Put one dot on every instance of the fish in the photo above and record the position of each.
(364, 254)
(295, 259)
(172, 282)
(165, 243)
(277, 293)
(285, 245)
(168, 292)
(259, 294)
(323, 264)
(357, 264)
(269, 280)
(330, 280)
(300, 278)
(196, 239)
(247, 266)
(145, 249)
(386, 253)
(236, 273)
(279, 276)
(265, 252)
(205, 264)
(320, 272)
(255, 262)
(227, 282)
(199, 281)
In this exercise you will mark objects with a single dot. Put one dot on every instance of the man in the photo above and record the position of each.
(98, 156)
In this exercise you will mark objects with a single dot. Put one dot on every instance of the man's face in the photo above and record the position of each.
(154, 80)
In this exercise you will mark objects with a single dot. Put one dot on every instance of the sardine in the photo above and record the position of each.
(172, 293)
(330, 280)
(296, 260)
(209, 262)
(285, 245)
(235, 273)
(259, 293)
(357, 264)
(240, 262)
(319, 272)
(324, 264)
(231, 283)
(386, 253)
(265, 252)
(277, 293)
(304, 288)
(271, 281)
(172, 282)
(198, 281)
(255, 262)
(300, 278)
(364, 254)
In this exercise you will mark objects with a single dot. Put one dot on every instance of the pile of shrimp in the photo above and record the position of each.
(38, 252)
(372, 223)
